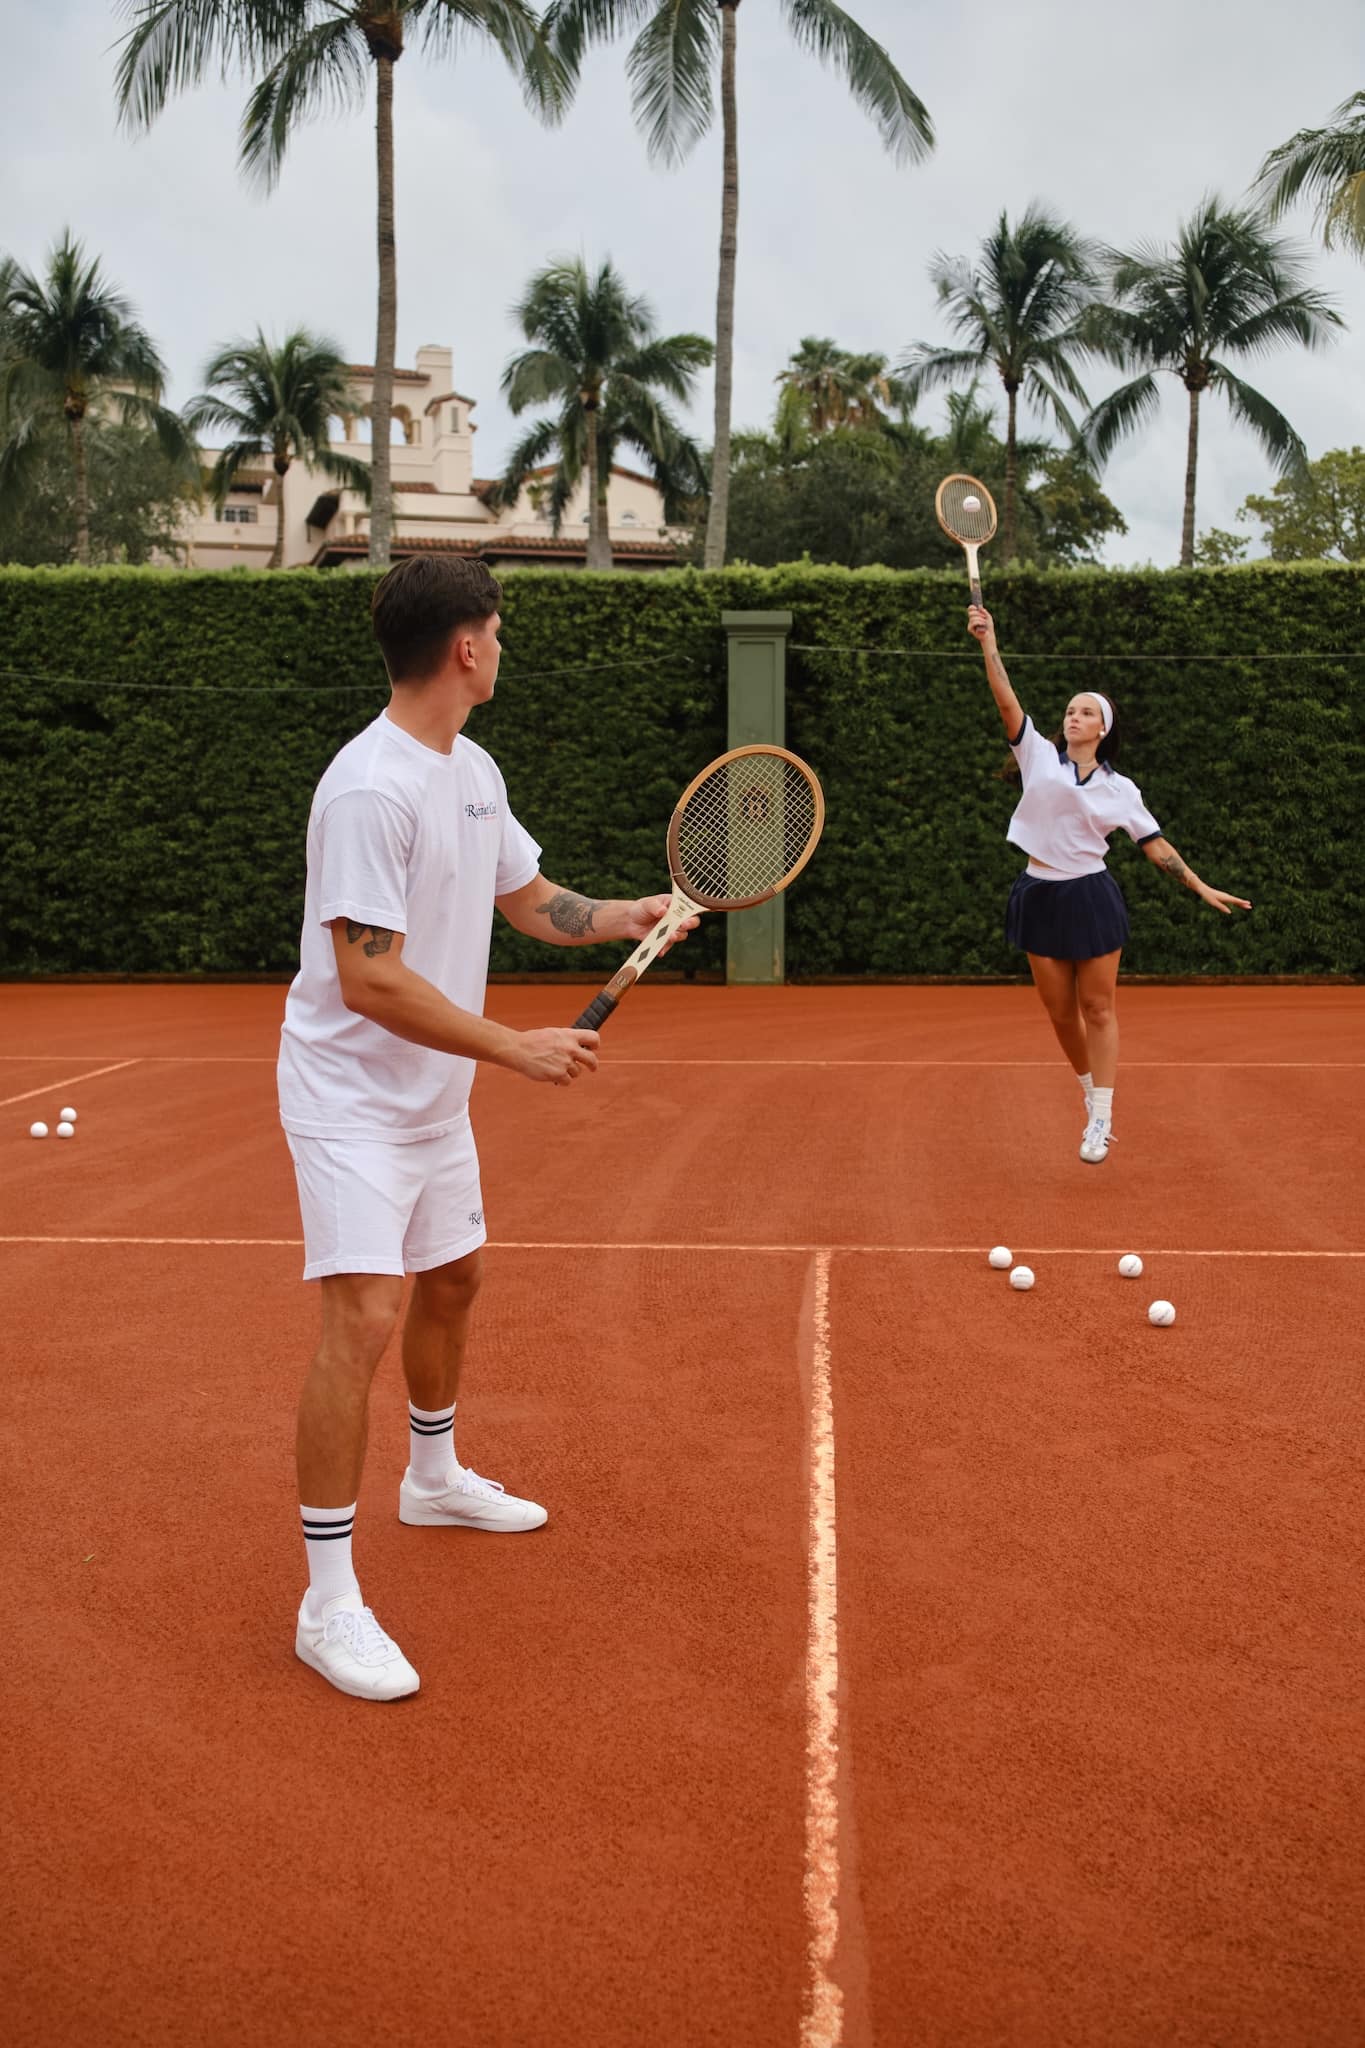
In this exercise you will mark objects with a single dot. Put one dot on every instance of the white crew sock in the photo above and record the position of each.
(1087, 1081)
(431, 1447)
(1102, 1104)
(327, 1539)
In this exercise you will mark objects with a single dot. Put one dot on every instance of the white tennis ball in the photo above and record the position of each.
(971, 504)
(37, 1130)
(1162, 1313)
(66, 1130)
(1000, 1256)
(68, 1116)
(1022, 1278)
(1130, 1265)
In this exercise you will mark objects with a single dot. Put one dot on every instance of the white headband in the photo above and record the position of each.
(1106, 709)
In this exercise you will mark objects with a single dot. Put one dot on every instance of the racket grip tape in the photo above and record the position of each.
(976, 590)
(596, 1014)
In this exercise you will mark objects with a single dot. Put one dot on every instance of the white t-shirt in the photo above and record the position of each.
(412, 841)
(1065, 822)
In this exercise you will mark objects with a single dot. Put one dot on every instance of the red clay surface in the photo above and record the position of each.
(1101, 1741)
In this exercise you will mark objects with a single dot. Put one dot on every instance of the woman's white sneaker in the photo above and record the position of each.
(352, 1652)
(467, 1503)
(1096, 1141)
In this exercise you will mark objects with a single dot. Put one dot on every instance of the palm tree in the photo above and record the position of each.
(825, 386)
(595, 352)
(671, 67)
(1329, 164)
(1226, 285)
(73, 342)
(281, 403)
(309, 54)
(1020, 314)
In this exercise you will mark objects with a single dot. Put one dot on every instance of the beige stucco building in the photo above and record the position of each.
(439, 503)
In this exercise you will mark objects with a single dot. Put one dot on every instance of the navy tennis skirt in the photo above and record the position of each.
(1076, 920)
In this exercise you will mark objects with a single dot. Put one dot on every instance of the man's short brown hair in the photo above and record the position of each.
(420, 603)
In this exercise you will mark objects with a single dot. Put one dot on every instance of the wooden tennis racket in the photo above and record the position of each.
(739, 834)
(966, 512)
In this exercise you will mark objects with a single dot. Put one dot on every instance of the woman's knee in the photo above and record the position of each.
(1098, 1011)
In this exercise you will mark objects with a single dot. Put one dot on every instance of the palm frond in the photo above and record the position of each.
(1279, 440)
(517, 32)
(1119, 415)
(176, 44)
(671, 67)
(571, 26)
(1326, 165)
(901, 118)
(327, 68)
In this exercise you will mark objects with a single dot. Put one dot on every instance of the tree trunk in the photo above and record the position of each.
(599, 538)
(718, 517)
(1011, 534)
(76, 421)
(1191, 465)
(277, 552)
(386, 338)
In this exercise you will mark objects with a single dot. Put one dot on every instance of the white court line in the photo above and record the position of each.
(577, 1244)
(822, 2020)
(49, 1087)
(241, 1059)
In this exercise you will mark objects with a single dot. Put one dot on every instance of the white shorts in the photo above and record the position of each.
(369, 1206)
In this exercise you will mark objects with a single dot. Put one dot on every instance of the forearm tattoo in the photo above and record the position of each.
(379, 940)
(1171, 864)
(570, 914)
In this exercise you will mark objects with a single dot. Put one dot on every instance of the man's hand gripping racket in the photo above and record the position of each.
(740, 833)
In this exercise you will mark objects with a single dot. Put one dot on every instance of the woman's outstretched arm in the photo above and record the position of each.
(981, 626)
(1163, 855)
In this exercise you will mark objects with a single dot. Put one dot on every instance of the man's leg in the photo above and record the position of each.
(337, 1635)
(436, 1489)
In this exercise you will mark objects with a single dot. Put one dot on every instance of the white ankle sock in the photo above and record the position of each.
(1102, 1103)
(431, 1446)
(327, 1540)
(1087, 1081)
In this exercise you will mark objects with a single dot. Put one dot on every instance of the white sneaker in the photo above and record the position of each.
(352, 1652)
(467, 1503)
(1096, 1142)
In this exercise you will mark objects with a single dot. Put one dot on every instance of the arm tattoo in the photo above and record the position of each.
(1172, 865)
(569, 913)
(378, 942)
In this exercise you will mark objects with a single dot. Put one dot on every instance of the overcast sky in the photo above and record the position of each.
(1119, 117)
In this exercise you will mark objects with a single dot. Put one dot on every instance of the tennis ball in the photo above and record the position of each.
(1162, 1313)
(1022, 1278)
(37, 1130)
(66, 1130)
(999, 1256)
(68, 1116)
(971, 504)
(1130, 1265)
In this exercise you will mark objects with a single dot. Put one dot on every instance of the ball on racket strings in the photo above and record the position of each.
(68, 1116)
(37, 1130)
(971, 503)
(1022, 1278)
(999, 1256)
(66, 1130)
(1162, 1313)
(1130, 1265)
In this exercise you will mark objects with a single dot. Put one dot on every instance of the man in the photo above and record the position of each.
(410, 845)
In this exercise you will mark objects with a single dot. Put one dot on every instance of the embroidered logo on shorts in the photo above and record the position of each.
(481, 810)
(476, 1217)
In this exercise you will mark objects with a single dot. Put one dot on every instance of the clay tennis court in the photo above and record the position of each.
(905, 1660)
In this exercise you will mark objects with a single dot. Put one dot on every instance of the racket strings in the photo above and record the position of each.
(746, 828)
(976, 522)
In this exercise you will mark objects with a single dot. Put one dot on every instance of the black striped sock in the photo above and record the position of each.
(431, 1444)
(327, 1540)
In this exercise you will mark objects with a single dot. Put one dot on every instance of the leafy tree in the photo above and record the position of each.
(671, 68)
(1328, 165)
(277, 402)
(1066, 516)
(595, 353)
(140, 498)
(1018, 312)
(1226, 286)
(310, 54)
(1218, 549)
(74, 351)
(1318, 513)
(825, 386)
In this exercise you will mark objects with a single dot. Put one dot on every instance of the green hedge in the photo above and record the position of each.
(161, 734)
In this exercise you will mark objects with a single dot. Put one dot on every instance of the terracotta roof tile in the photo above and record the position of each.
(505, 546)
(399, 376)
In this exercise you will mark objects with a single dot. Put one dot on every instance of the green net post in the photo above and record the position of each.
(755, 939)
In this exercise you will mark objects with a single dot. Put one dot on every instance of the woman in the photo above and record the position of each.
(1066, 911)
